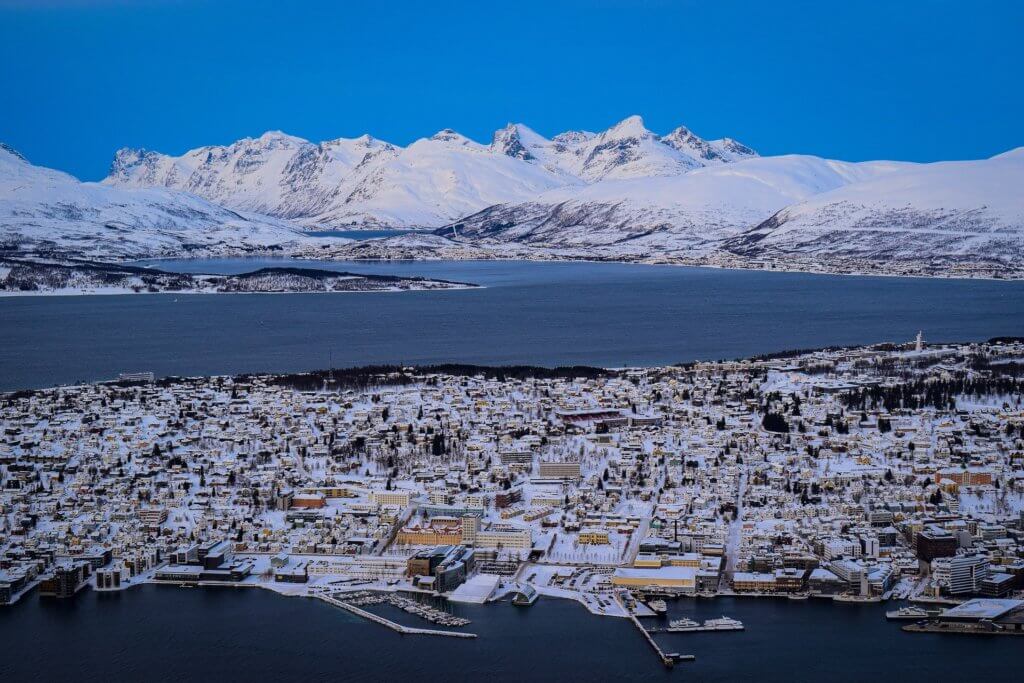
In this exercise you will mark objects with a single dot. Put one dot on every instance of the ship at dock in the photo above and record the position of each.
(911, 613)
(690, 626)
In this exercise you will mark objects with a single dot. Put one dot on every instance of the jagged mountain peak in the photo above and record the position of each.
(363, 142)
(517, 140)
(629, 127)
(452, 137)
(733, 150)
(277, 137)
(682, 139)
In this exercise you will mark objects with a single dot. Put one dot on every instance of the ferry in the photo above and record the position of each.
(683, 625)
(911, 613)
(723, 624)
(690, 626)
(856, 598)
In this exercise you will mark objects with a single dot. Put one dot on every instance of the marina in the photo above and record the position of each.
(394, 626)
(424, 611)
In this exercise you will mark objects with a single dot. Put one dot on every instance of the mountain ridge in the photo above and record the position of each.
(434, 180)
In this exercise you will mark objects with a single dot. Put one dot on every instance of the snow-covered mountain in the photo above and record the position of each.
(46, 210)
(434, 181)
(954, 210)
(623, 193)
(690, 212)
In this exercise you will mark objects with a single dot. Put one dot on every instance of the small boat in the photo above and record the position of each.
(658, 606)
(723, 624)
(910, 613)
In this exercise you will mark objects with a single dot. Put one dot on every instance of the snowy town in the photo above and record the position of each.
(885, 473)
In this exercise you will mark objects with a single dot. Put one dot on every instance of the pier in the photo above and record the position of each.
(668, 659)
(394, 626)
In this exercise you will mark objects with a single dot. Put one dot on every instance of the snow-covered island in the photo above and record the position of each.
(27, 277)
(851, 474)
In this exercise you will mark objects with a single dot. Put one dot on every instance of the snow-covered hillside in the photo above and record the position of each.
(42, 209)
(955, 211)
(691, 212)
(368, 183)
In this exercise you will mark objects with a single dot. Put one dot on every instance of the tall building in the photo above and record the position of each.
(966, 573)
(66, 580)
(935, 542)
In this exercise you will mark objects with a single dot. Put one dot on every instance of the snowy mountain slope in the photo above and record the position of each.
(956, 210)
(276, 174)
(43, 209)
(688, 212)
(436, 180)
(433, 181)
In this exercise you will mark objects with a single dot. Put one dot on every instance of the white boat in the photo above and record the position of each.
(723, 624)
(681, 625)
(658, 606)
(910, 612)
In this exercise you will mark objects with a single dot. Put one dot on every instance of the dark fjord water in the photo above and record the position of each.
(534, 313)
(156, 633)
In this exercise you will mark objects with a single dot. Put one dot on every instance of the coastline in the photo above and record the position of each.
(1015, 277)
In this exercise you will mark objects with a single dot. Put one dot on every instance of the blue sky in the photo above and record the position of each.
(853, 80)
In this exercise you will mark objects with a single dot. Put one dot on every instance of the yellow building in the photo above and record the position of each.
(434, 535)
(593, 537)
(753, 581)
(684, 560)
(679, 578)
(647, 561)
(400, 498)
